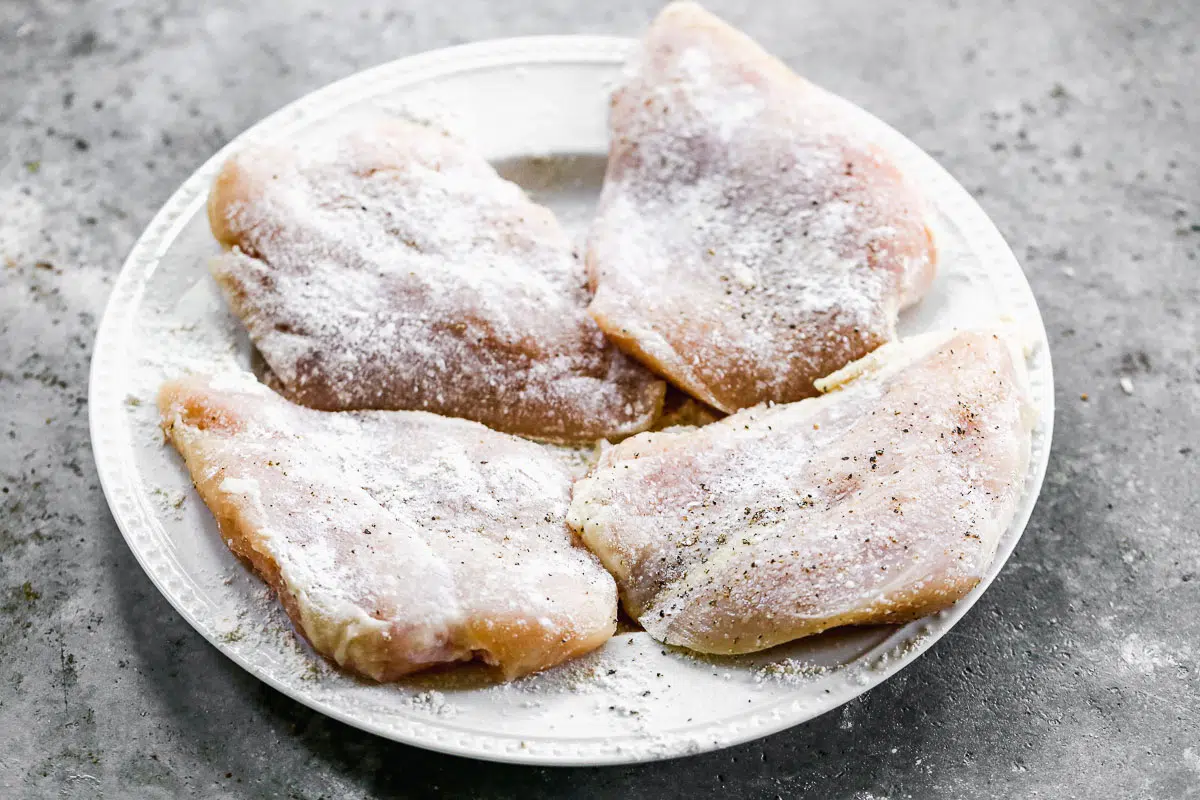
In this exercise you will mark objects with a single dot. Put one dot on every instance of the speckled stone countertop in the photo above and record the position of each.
(1076, 124)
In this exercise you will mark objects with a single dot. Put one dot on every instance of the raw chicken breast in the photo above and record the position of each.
(395, 540)
(749, 239)
(388, 266)
(878, 502)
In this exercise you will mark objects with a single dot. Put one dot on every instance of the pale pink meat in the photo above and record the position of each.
(387, 266)
(396, 540)
(880, 501)
(749, 239)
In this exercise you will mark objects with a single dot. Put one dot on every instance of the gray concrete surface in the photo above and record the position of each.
(1075, 123)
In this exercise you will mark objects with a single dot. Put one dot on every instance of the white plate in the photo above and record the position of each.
(538, 107)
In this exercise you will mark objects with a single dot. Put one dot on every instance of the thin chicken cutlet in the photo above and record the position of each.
(881, 501)
(395, 540)
(388, 266)
(749, 238)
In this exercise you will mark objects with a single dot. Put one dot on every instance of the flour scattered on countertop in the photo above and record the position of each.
(21, 227)
(1145, 657)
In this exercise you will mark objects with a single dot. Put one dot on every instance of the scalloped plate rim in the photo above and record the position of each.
(114, 465)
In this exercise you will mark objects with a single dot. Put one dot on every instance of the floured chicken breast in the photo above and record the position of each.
(390, 267)
(878, 502)
(395, 540)
(749, 239)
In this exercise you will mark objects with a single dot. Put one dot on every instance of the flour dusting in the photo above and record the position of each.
(749, 238)
(388, 266)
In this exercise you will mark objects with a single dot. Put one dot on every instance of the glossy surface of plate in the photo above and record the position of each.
(537, 108)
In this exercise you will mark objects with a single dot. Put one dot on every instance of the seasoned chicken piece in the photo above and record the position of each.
(390, 267)
(749, 239)
(878, 502)
(395, 540)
